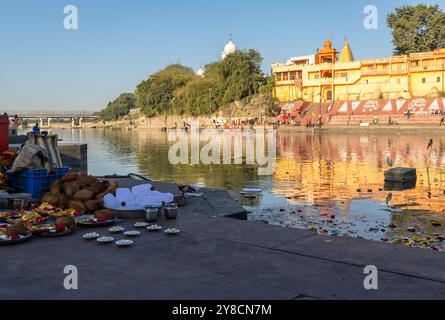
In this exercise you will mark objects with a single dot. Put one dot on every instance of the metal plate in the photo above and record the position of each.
(82, 221)
(45, 234)
(10, 242)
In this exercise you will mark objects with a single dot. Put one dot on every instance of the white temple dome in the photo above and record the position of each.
(200, 72)
(229, 49)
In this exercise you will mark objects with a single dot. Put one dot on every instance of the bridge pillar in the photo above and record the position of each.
(40, 122)
(49, 122)
(80, 122)
(73, 123)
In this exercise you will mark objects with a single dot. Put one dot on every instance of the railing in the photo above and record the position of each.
(317, 82)
(375, 72)
(318, 67)
(329, 81)
(51, 114)
(440, 67)
(429, 54)
(399, 71)
(376, 61)
(398, 59)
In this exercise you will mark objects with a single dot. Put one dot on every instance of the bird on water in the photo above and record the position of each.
(430, 144)
(390, 162)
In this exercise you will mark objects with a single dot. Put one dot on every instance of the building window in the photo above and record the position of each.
(293, 75)
(285, 76)
(278, 75)
(399, 81)
(423, 80)
(438, 79)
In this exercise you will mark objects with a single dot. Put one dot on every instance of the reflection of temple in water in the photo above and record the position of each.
(331, 168)
(324, 169)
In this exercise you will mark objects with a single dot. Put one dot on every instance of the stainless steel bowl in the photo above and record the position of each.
(171, 211)
(151, 214)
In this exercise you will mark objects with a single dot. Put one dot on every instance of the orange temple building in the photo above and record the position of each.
(329, 75)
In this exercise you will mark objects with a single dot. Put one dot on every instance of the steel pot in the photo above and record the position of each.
(151, 214)
(171, 211)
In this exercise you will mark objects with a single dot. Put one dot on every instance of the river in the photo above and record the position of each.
(331, 183)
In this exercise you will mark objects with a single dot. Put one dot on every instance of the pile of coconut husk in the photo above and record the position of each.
(80, 192)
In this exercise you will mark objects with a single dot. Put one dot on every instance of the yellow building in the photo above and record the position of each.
(331, 75)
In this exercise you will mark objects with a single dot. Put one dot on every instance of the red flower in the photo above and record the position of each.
(77, 213)
(15, 236)
(60, 228)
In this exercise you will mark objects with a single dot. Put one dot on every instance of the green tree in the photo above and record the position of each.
(267, 85)
(177, 90)
(118, 108)
(417, 28)
(237, 76)
(196, 98)
(155, 95)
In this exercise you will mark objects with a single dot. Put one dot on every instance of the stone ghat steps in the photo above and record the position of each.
(345, 120)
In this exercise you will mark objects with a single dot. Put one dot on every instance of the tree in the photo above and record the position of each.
(155, 95)
(120, 107)
(417, 28)
(196, 98)
(177, 90)
(237, 76)
(267, 85)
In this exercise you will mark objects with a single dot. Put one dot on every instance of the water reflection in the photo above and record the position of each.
(326, 168)
(329, 182)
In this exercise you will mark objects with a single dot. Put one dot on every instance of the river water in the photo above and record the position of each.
(331, 183)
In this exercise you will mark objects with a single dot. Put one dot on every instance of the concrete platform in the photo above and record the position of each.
(219, 258)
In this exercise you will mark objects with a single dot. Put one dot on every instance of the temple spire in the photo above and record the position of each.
(346, 54)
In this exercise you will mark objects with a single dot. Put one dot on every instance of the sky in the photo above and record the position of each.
(119, 43)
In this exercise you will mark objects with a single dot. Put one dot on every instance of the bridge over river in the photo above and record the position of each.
(76, 117)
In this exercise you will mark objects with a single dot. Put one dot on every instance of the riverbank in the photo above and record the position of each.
(161, 123)
(215, 257)
(370, 129)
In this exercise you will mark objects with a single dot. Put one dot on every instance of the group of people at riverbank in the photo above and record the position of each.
(238, 123)
(16, 123)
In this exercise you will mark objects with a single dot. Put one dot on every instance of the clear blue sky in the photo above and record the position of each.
(119, 43)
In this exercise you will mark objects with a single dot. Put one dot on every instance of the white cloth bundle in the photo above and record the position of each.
(137, 198)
